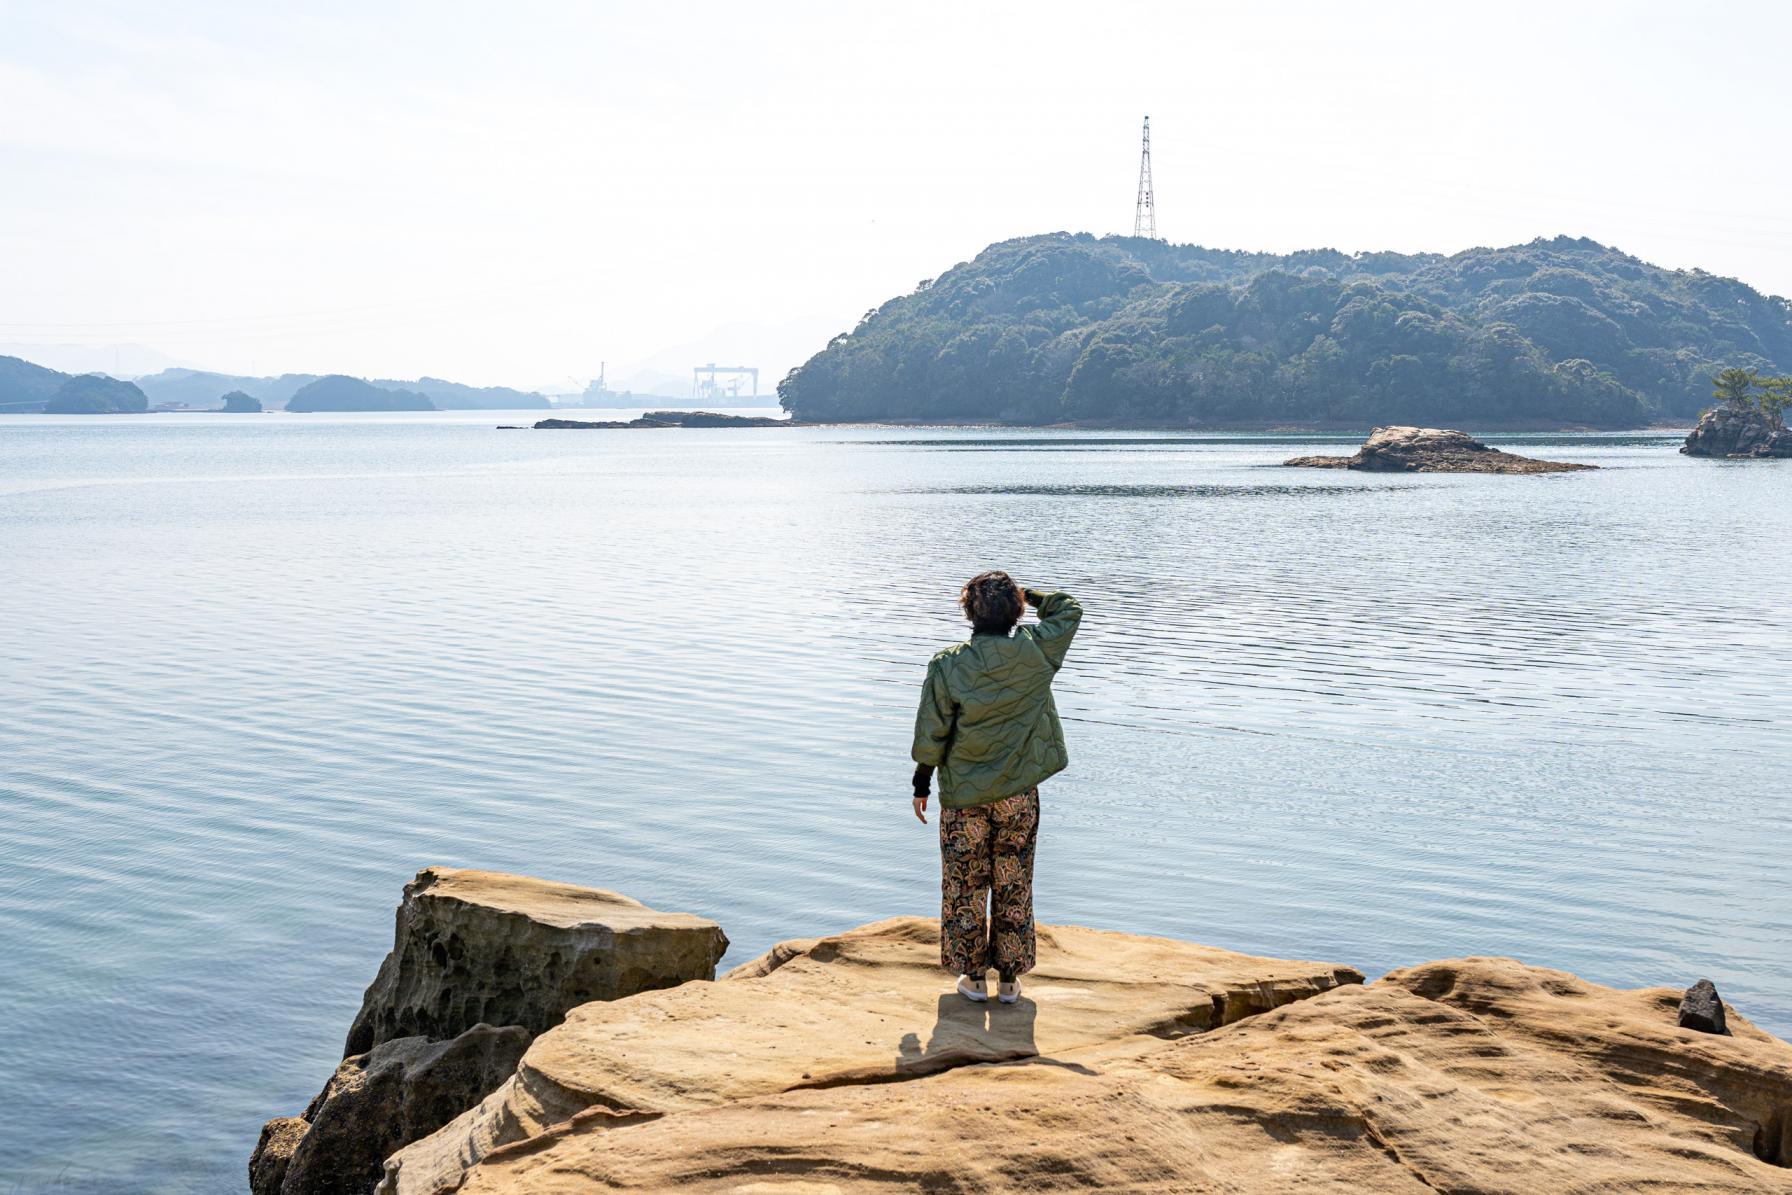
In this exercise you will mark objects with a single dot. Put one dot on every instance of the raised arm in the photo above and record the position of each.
(934, 721)
(1059, 614)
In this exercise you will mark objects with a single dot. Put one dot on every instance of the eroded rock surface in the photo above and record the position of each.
(477, 947)
(868, 1007)
(267, 1165)
(1473, 1075)
(377, 1102)
(472, 949)
(1735, 432)
(1431, 450)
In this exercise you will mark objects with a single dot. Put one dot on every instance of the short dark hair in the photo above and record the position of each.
(992, 601)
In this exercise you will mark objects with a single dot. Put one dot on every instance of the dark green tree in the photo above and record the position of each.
(1735, 387)
(1775, 397)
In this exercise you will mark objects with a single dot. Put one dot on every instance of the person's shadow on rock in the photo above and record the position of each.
(965, 1032)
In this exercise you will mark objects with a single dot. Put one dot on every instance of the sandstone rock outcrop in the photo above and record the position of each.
(858, 1010)
(1431, 450)
(472, 949)
(482, 946)
(1736, 432)
(378, 1102)
(1473, 1075)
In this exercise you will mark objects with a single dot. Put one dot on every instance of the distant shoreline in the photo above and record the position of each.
(1262, 428)
(1259, 428)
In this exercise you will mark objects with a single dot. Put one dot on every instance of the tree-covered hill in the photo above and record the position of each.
(1046, 328)
(198, 388)
(457, 396)
(25, 387)
(96, 394)
(203, 388)
(339, 392)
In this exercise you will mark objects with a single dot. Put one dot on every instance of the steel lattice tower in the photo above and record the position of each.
(1144, 216)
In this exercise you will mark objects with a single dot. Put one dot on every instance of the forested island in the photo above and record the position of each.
(27, 388)
(95, 394)
(339, 392)
(194, 387)
(1122, 330)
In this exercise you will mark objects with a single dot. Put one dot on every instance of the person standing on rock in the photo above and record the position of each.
(988, 725)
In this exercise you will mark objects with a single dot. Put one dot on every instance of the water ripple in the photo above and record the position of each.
(256, 674)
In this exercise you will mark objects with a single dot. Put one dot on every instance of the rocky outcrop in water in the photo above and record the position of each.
(378, 1102)
(844, 1064)
(1738, 432)
(471, 950)
(1431, 450)
(483, 946)
(280, 1139)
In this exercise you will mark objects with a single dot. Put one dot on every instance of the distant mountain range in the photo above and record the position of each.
(1123, 330)
(25, 388)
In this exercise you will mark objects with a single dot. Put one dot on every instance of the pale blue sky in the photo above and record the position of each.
(511, 193)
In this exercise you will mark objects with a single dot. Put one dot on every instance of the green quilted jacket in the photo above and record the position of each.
(987, 721)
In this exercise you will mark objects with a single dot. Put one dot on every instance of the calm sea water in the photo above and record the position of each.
(257, 670)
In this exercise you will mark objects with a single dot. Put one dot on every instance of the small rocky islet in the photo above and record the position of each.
(1431, 450)
(1733, 433)
(525, 1036)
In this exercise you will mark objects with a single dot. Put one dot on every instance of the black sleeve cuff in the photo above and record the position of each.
(923, 778)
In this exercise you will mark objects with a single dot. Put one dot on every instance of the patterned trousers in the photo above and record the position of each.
(982, 848)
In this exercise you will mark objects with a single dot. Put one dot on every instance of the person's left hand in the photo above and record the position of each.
(921, 809)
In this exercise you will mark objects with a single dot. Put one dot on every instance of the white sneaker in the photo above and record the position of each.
(1008, 993)
(972, 989)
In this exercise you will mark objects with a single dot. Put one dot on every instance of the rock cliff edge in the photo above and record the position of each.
(841, 1064)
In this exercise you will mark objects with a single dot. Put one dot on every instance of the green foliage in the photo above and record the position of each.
(1775, 397)
(24, 387)
(1746, 390)
(1119, 329)
(96, 394)
(456, 396)
(1735, 387)
(338, 392)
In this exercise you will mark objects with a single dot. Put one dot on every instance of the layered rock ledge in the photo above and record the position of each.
(1431, 450)
(867, 1007)
(483, 946)
(1476, 1075)
(844, 1064)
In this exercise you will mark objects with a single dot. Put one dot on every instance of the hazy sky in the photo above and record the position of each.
(513, 192)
